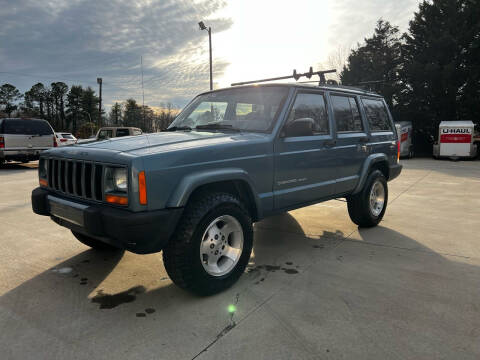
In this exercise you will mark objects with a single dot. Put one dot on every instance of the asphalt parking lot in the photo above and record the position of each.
(317, 286)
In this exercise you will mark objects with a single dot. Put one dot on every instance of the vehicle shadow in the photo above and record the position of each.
(70, 303)
(18, 167)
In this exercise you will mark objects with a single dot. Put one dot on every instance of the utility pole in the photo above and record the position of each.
(143, 96)
(99, 82)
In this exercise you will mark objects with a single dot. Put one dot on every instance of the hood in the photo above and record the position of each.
(149, 143)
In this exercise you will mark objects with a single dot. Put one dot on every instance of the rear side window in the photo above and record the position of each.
(105, 134)
(26, 127)
(311, 106)
(377, 115)
(347, 115)
(122, 132)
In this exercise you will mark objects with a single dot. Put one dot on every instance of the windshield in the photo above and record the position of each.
(251, 109)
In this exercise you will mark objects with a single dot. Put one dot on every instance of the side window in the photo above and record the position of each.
(377, 115)
(311, 106)
(347, 115)
(122, 132)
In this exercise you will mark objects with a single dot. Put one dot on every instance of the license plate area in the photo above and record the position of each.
(67, 210)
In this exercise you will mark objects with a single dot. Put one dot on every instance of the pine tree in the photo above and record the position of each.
(378, 61)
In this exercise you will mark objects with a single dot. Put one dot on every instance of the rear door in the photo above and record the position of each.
(351, 147)
(17, 134)
(380, 123)
(304, 165)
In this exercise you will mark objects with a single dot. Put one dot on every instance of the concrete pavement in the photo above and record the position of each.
(317, 286)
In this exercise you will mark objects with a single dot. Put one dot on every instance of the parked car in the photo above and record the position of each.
(113, 132)
(109, 132)
(64, 139)
(24, 139)
(231, 158)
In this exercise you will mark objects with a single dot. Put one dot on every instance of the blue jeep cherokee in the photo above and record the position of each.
(231, 157)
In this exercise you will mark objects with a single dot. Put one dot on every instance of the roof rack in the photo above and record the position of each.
(295, 76)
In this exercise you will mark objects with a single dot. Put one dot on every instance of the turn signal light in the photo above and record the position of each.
(142, 188)
(398, 150)
(43, 182)
(115, 199)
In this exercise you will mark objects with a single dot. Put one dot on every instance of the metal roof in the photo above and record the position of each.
(457, 123)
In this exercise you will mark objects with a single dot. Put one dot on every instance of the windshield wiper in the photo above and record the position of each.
(175, 128)
(216, 127)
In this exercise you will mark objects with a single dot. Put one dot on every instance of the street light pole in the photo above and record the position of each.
(209, 30)
(210, 47)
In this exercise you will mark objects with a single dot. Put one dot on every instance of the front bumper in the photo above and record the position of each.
(395, 170)
(141, 232)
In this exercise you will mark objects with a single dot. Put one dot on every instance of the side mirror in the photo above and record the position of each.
(299, 127)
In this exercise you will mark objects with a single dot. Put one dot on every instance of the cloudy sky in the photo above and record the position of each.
(76, 41)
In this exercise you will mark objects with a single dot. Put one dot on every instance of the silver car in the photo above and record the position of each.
(24, 139)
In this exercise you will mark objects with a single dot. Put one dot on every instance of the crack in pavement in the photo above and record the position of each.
(224, 331)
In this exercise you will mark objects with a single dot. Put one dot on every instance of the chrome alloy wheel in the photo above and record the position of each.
(377, 198)
(221, 246)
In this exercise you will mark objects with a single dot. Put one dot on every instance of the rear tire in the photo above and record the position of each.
(366, 209)
(93, 243)
(196, 255)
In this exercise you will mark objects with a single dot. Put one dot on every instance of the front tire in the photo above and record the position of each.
(366, 209)
(93, 243)
(211, 246)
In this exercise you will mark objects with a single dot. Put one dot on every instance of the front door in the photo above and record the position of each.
(305, 165)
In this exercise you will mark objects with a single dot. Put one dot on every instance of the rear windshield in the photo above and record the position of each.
(67, 136)
(25, 127)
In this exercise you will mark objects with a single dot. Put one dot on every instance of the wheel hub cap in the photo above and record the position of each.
(221, 246)
(377, 198)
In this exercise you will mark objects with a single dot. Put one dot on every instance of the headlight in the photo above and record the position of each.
(116, 180)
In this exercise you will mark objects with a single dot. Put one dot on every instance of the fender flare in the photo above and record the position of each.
(367, 165)
(192, 181)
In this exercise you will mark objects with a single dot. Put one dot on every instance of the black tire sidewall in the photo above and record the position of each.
(204, 280)
(374, 176)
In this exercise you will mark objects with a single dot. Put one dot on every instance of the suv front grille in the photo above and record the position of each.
(76, 177)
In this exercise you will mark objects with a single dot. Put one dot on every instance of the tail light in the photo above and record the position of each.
(398, 150)
(54, 141)
(2, 142)
(63, 140)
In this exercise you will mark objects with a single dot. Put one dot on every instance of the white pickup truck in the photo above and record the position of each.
(24, 139)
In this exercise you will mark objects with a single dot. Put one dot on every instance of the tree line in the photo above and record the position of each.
(430, 73)
(76, 109)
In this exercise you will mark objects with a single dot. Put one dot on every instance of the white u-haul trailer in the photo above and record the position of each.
(405, 135)
(455, 140)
